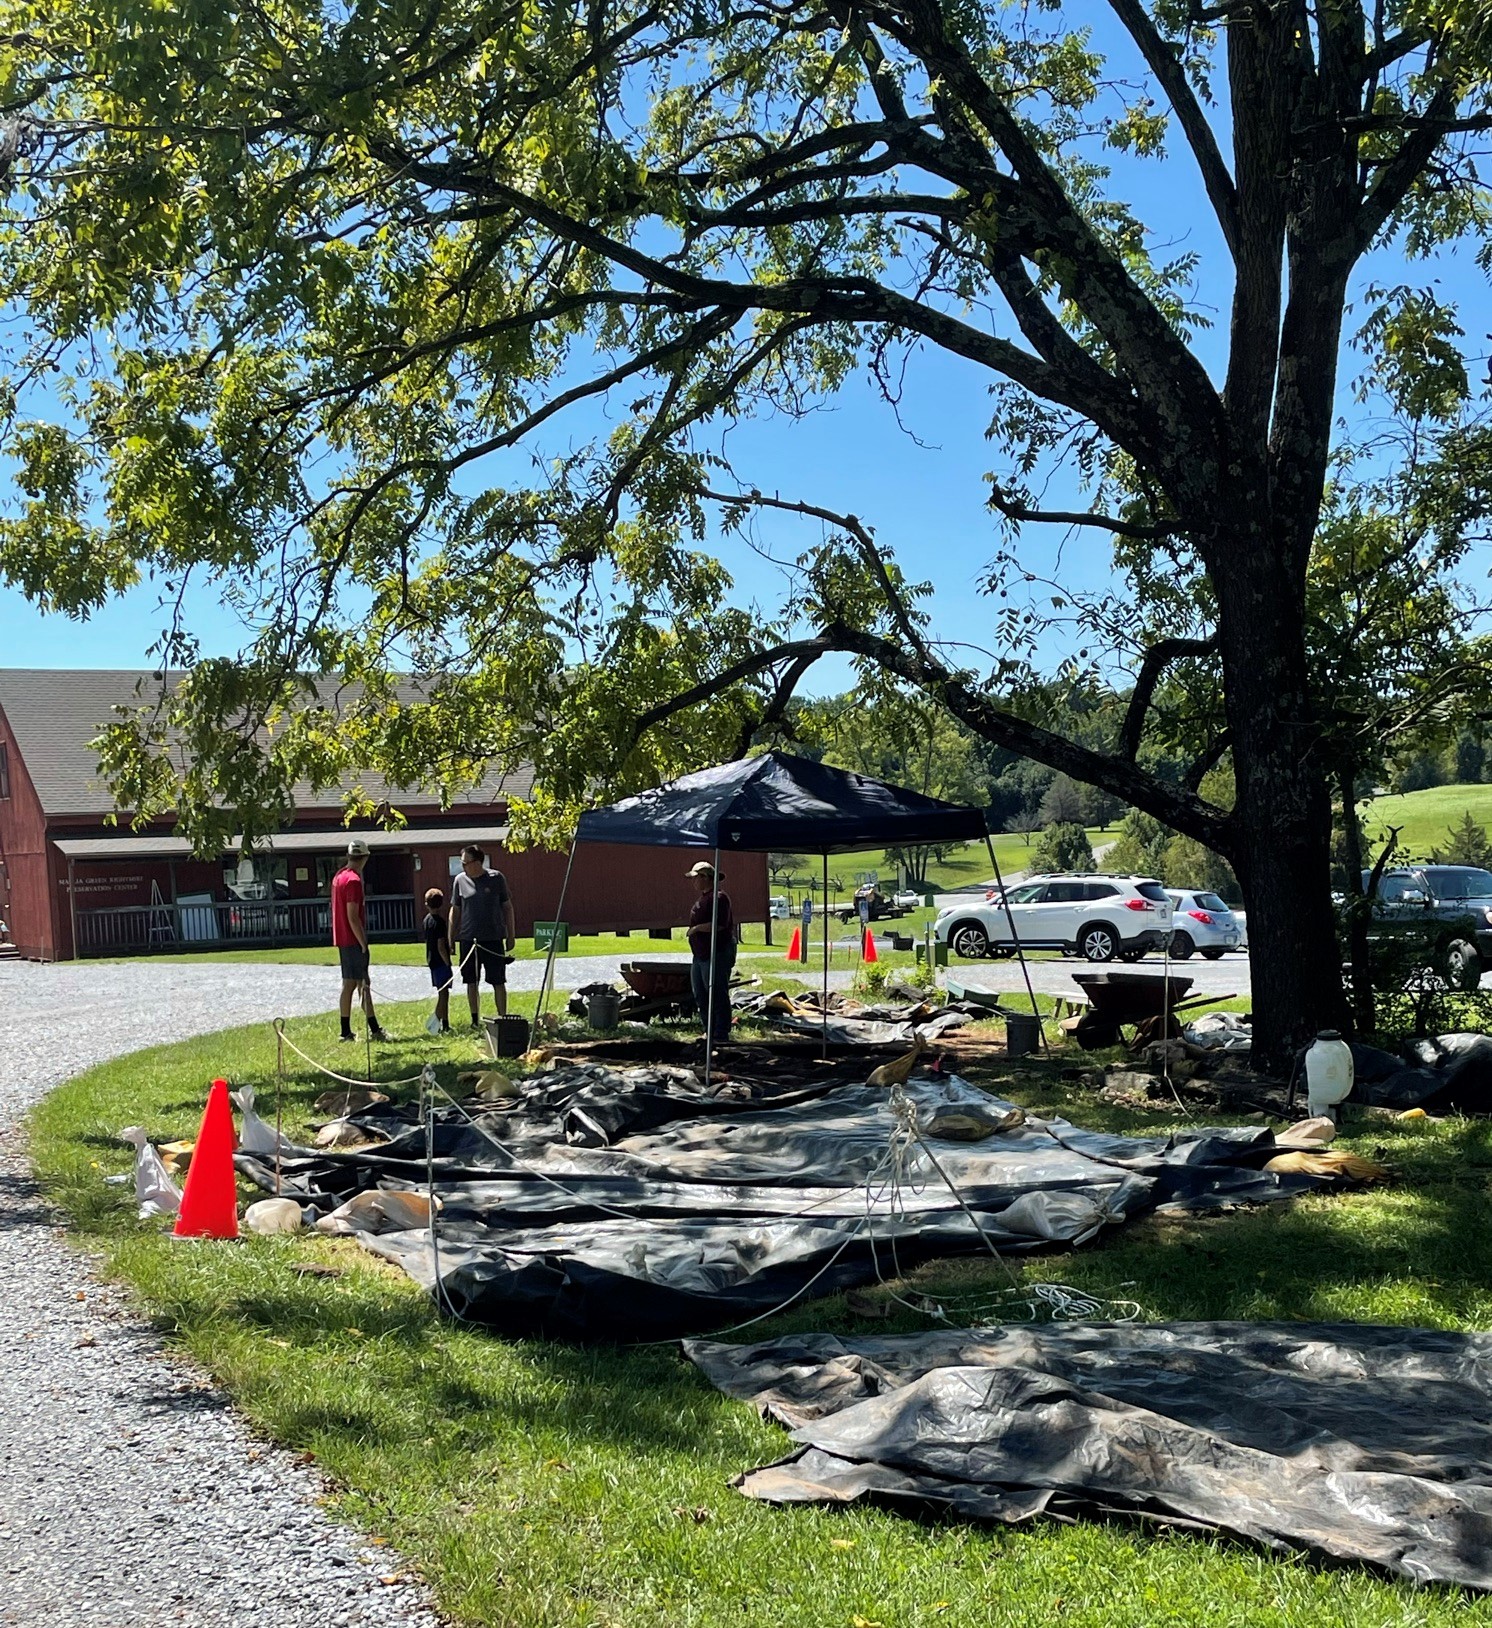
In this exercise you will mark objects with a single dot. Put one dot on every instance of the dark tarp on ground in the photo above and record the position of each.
(1449, 1074)
(732, 1206)
(777, 801)
(1370, 1444)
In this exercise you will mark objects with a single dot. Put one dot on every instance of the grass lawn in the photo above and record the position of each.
(1425, 816)
(539, 1484)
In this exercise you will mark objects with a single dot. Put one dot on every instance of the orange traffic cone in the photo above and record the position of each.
(795, 944)
(209, 1203)
(870, 947)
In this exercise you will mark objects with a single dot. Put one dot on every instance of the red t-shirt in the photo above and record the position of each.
(347, 888)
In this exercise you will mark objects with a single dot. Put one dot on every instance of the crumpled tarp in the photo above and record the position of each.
(855, 1023)
(1367, 1444)
(1451, 1073)
(633, 1204)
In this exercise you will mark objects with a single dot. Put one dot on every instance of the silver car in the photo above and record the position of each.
(1202, 923)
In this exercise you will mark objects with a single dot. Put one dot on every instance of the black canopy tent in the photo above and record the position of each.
(780, 802)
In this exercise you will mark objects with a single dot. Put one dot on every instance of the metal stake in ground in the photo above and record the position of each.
(1015, 939)
(710, 983)
(559, 916)
(824, 1009)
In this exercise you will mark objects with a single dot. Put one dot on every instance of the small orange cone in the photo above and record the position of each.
(209, 1202)
(795, 945)
(870, 947)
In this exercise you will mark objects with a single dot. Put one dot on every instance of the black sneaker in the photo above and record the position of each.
(347, 1038)
(377, 1034)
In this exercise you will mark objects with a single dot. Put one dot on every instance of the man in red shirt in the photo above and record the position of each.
(350, 935)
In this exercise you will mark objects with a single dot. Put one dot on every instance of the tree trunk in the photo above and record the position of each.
(1364, 1016)
(1279, 834)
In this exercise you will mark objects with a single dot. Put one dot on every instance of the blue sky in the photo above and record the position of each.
(915, 476)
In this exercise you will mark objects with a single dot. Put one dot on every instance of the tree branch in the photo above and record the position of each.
(776, 709)
(1167, 68)
(1182, 810)
(747, 667)
(1207, 761)
(1155, 661)
(1396, 177)
(1077, 517)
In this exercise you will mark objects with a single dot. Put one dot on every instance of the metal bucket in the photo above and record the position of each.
(603, 1010)
(1022, 1034)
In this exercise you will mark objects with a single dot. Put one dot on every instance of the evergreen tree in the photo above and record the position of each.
(1063, 847)
(1467, 845)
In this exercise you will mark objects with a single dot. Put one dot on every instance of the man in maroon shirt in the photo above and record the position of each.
(350, 935)
(711, 921)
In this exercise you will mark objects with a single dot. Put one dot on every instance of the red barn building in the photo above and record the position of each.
(72, 886)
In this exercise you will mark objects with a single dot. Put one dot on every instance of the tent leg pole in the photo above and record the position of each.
(824, 1031)
(1015, 938)
(710, 985)
(559, 911)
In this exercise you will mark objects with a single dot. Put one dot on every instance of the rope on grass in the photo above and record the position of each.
(284, 1039)
(1060, 1301)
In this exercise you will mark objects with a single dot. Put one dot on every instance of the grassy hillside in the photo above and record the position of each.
(1425, 815)
(964, 867)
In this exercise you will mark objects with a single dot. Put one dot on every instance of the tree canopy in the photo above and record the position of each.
(311, 297)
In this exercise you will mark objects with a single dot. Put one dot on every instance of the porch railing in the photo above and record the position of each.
(235, 923)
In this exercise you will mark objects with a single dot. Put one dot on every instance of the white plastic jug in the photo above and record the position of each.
(1328, 1067)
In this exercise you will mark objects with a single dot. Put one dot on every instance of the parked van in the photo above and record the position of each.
(778, 908)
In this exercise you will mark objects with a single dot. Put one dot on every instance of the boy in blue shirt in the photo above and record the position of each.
(438, 956)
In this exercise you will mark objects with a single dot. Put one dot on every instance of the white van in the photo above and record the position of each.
(778, 907)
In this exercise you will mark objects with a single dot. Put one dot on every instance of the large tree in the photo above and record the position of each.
(307, 273)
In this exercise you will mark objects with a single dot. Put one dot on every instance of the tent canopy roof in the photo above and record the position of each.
(782, 803)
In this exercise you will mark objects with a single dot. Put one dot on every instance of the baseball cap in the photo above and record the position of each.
(703, 868)
(357, 849)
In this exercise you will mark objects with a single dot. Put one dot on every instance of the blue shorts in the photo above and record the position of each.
(441, 974)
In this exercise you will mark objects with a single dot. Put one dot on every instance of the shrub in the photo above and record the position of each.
(1063, 847)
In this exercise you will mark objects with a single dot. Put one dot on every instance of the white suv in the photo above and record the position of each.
(1102, 918)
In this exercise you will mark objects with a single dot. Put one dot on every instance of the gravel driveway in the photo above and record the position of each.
(131, 1495)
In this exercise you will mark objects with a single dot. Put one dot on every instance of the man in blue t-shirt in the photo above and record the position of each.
(482, 921)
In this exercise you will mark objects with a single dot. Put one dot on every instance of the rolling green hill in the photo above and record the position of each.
(1425, 816)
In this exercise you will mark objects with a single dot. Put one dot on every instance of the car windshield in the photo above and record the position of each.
(1152, 890)
(1459, 882)
(1210, 901)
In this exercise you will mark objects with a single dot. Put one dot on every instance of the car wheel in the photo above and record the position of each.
(1212, 955)
(969, 940)
(1098, 943)
(1462, 965)
(1182, 946)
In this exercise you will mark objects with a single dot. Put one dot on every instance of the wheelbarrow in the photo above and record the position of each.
(1117, 1000)
(661, 989)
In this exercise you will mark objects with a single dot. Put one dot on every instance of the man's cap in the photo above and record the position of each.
(703, 868)
(357, 849)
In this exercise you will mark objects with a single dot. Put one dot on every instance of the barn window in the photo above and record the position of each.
(4, 771)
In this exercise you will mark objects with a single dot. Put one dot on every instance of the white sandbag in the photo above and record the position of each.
(256, 1136)
(155, 1192)
(396, 1210)
(342, 1133)
(271, 1215)
(1317, 1132)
